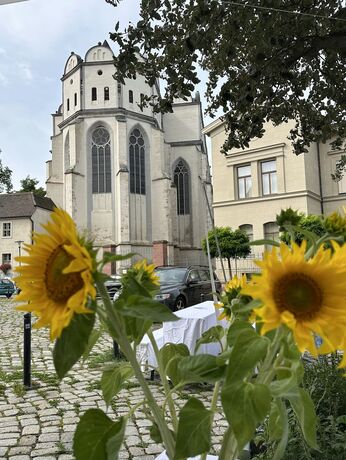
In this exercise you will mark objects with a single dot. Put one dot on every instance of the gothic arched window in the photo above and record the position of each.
(101, 161)
(137, 162)
(182, 182)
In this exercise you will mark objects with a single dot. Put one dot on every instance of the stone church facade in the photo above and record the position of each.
(136, 181)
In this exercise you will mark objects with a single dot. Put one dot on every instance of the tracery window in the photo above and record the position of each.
(101, 161)
(182, 182)
(137, 162)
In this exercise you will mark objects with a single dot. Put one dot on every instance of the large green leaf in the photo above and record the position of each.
(305, 412)
(249, 348)
(245, 406)
(93, 338)
(201, 368)
(287, 378)
(113, 379)
(97, 437)
(194, 430)
(235, 329)
(214, 334)
(136, 328)
(72, 343)
(170, 350)
(278, 428)
(139, 306)
(111, 257)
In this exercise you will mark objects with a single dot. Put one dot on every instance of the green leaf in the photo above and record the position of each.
(136, 328)
(283, 428)
(275, 428)
(170, 350)
(249, 348)
(214, 334)
(305, 412)
(235, 329)
(205, 368)
(172, 369)
(239, 306)
(264, 242)
(72, 343)
(110, 257)
(93, 338)
(194, 430)
(155, 433)
(97, 437)
(139, 306)
(113, 379)
(245, 406)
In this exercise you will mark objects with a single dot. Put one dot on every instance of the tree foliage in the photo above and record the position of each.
(266, 60)
(5, 178)
(290, 218)
(29, 184)
(233, 244)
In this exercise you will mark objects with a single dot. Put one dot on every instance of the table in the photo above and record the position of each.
(189, 328)
(193, 321)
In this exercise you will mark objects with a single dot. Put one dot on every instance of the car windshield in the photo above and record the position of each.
(171, 275)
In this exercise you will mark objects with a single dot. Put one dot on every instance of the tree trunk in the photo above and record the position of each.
(229, 268)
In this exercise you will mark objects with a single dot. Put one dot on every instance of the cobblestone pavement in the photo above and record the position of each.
(40, 423)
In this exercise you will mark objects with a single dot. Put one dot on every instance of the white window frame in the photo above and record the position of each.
(6, 261)
(269, 174)
(243, 179)
(5, 230)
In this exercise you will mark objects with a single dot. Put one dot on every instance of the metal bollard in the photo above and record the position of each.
(27, 351)
(116, 350)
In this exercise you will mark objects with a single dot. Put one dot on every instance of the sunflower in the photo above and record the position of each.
(308, 296)
(56, 276)
(232, 289)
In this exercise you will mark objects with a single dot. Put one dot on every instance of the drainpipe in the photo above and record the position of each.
(319, 175)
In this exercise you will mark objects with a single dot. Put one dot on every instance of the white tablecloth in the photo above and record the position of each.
(190, 327)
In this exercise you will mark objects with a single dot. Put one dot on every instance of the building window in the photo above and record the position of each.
(248, 229)
(101, 161)
(75, 99)
(6, 230)
(244, 181)
(131, 96)
(6, 258)
(137, 162)
(271, 232)
(269, 177)
(68, 104)
(182, 182)
(94, 94)
(106, 93)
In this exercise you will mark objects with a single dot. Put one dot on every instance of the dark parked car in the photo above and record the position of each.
(182, 287)
(113, 285)
(7, 287)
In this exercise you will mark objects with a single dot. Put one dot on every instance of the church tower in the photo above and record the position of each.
(133, 179)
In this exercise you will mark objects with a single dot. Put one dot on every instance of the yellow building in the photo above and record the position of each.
(251, 186)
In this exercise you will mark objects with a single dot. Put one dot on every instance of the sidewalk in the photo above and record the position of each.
(40, 423)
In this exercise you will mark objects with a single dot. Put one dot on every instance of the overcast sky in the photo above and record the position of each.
(36, 38)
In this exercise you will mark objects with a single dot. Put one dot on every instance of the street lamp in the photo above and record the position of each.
(19, 242)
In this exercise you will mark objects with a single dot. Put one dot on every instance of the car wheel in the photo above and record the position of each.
(180, 303)
(8, 295)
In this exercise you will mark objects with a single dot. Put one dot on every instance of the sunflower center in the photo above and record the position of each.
(299, 294)
(61, 286)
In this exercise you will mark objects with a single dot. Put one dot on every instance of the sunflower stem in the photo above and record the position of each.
(266, 372)
(229, 448)
(114, 322)
(164, 381)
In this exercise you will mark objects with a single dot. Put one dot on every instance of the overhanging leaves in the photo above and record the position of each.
(139, 306)
(113, 378)
(72, 343)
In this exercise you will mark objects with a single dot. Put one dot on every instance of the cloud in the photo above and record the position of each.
(25, 71)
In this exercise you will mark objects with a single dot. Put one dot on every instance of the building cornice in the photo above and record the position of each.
(259, 199)
(119, 113)
(212, 126)
(185, 143)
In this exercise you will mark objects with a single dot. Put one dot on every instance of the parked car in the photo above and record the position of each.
(7, 287)
(182, 287)
(113, 285)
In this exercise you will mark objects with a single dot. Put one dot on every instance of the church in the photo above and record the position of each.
(134, 180)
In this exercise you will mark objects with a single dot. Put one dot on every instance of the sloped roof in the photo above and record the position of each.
(22, 204)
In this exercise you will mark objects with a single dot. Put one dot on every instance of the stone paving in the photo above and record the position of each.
(40, 423)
